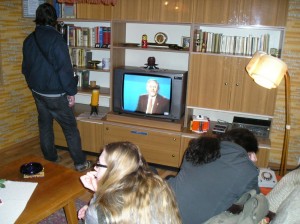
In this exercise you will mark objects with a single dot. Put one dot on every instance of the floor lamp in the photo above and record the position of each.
(268, 71)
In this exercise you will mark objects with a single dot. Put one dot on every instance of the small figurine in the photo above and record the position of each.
(144, 41)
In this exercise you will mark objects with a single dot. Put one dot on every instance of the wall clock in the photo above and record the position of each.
(160, 38)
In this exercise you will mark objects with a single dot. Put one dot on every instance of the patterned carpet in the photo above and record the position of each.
(59, 216)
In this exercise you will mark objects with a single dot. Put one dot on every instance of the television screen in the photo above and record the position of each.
(133, 85)
(147, 94)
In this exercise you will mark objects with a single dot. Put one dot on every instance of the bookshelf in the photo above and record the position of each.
(237, 40)
(127, 50)
(89, 41)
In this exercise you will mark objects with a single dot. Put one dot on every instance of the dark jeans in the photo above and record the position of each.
(57, 108)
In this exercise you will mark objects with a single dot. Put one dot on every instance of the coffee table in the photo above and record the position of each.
(57, 189)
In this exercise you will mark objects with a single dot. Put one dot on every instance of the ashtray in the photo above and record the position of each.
(31, 168)
(94, 63)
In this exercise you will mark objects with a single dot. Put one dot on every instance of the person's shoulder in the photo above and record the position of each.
(231, 150)
(162, 97)
(144, 96)
(48, 31)
(231, 146)
(28, 38)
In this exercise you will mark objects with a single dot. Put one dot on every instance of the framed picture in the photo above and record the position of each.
(68, 10)
(30, 6)
(185, 42)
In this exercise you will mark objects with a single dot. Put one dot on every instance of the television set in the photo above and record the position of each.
(131, 87)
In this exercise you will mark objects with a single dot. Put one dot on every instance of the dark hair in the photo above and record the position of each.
(46, 15)
(242, 137)
(204, 149)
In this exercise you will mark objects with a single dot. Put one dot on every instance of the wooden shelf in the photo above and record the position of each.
(103, 91)
(98, 69)
(151, 48)
(91, 48)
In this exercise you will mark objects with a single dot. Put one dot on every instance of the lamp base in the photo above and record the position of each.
(94, 110)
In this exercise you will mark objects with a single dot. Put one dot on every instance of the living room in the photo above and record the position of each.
(18, 113)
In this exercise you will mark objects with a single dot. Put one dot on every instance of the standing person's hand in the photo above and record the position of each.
(81, 212)
(71, 100)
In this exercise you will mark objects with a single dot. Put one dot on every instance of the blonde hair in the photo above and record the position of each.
(130, 193)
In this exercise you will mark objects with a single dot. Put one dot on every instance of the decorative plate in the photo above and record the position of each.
(160, 38)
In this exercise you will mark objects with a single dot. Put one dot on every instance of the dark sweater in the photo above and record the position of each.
(209, 189)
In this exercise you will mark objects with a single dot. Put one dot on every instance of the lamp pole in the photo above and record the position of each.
(284, 154)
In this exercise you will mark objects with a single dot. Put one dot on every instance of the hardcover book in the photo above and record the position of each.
(198, 40)
(68, 10)
(85, 36)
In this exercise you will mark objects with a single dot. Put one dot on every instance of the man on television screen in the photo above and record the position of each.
(152, 102)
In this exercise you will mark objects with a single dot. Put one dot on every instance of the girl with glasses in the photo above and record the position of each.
(126, 190)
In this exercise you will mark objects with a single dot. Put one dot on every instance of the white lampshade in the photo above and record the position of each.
(266, 70)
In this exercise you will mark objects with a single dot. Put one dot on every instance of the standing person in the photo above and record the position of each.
(49, 74)
(152, 102)
(126, 191)
(214, 174)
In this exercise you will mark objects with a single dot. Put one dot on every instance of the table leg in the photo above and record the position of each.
(71, 212)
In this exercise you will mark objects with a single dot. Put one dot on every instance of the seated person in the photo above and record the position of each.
(215, 172)
(284, 199)
(153, 102)
(126, 191)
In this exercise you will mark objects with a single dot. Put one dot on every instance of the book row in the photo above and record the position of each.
(239, 45)
(80, 57)
(83, 78)
(76, 36)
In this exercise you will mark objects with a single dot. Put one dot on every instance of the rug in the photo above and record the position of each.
(59, 216)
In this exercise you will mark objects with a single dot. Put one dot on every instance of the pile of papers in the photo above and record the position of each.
(14, 197)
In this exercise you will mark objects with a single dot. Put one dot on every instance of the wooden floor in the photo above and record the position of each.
(33, 147)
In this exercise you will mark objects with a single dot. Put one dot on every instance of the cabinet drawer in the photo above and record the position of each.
(156, 146)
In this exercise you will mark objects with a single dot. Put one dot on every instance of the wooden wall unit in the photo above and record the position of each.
(215, 81)
(166, 148)
(93, 12)
(221, 82)
(158, 146)
(241, 12)
(91, 133)
(154, 11)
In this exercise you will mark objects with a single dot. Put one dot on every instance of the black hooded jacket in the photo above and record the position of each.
(53, 75)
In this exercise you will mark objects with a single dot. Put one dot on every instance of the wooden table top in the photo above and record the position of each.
(55, 190)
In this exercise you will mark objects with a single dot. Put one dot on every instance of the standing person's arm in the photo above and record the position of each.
(63, 66)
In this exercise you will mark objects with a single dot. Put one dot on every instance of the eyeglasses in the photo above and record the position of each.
(100, 165)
